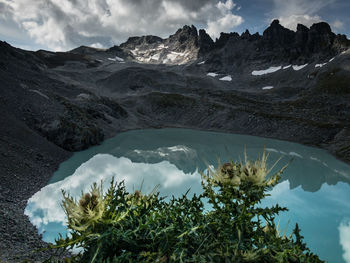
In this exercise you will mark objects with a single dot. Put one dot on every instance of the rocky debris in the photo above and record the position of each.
(340, 145)
(134, 42)
(56, 59)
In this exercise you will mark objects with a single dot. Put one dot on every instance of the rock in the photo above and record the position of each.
(205, 42)
(278, 36)
(133, 42)
(340, 145)
(246, 35)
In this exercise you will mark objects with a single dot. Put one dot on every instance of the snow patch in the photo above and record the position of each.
(297, 67)
(212, 74)
(39, 93)
(156, 56)
(285, 67)
(201, 63)
(226, 78)
(116, 59)
(320, 65)
(331, 59)
(267, 87)
(266, 71)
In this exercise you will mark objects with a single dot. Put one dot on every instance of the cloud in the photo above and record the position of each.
(44, 208)
(344, 235)
(65, 24)
(292, 21)
(226, 22)
(292, 12)
(337, 24)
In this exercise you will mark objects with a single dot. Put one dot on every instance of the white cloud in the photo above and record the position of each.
(292, 21)
(66, 24)
(226, 22)
(292, 12)
(44, 207)
(344, 236)
(226, 6)
(96, 45)
(337, 24)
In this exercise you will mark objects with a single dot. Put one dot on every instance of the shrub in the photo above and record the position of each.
(132, 227)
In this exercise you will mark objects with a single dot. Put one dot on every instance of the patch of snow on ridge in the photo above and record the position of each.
(226, 78)
(267, 87)
(212, 74)
(39, 93)
(116, 59)
(331, 59)
(320, 65)
(285, 67)
(296, 67)
(156, 56)
(201, 63)
(266, 71)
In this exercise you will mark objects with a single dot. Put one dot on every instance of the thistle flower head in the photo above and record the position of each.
(87, 211)
(235, 174)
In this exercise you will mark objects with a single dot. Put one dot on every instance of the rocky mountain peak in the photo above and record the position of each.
(276, 44)
(184, 37)
(321, 28)
(246, 34)
(205, 42)
(276, 34)
(132, 42)
(186, 31)
(302, 28)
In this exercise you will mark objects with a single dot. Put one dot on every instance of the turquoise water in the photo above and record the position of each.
(315, 187)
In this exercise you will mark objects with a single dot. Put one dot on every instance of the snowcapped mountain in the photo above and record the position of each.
(277, 44)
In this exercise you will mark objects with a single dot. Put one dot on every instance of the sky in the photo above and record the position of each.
(61, 25)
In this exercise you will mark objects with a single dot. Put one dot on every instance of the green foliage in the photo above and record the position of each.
(132, 227)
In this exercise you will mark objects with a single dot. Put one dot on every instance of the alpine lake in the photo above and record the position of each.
(315, 186)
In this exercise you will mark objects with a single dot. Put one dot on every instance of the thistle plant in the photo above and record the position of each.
(134, 227)
(87, 212)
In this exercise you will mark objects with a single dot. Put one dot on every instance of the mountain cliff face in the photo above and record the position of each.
(277, 44)
(281, 84)
(180, 48)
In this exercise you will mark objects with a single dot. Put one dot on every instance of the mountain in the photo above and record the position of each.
(277, 44)
(281, 84)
